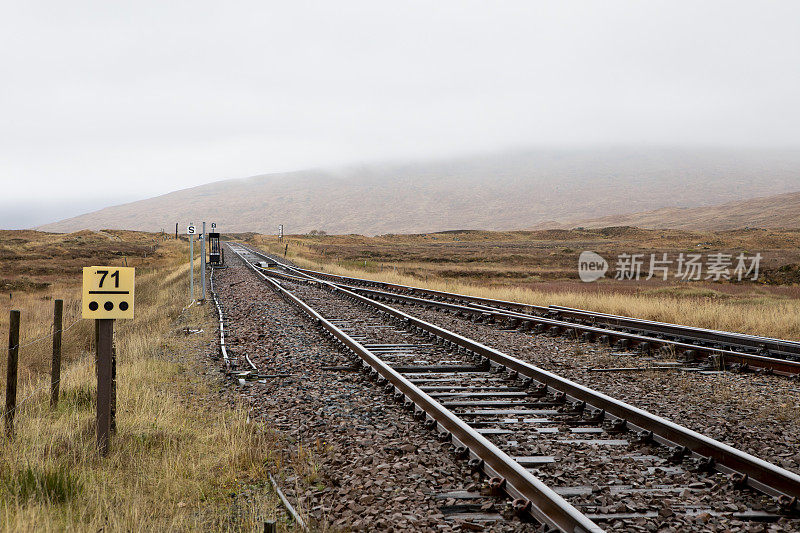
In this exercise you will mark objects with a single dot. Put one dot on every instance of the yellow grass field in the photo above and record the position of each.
(181, 460)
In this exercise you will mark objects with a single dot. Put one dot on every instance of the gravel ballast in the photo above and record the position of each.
(613, 481)
(373, 465)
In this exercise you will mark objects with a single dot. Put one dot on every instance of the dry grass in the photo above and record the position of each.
(758, 310)
(549, 258)
(179, 455)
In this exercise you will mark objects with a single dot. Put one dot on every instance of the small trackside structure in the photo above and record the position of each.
(216, 255)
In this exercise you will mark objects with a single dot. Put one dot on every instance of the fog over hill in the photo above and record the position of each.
(510, 190)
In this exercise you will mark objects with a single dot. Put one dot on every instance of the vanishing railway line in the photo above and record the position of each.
(555, 447)
(715, 349)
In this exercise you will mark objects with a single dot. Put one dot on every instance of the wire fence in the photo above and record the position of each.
(44, 384)
(44, 337)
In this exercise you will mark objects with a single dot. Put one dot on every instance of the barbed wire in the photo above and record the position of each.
(47, 336)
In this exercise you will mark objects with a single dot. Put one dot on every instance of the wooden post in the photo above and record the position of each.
(286, 249)
(114, 387)
(105, 327)
(55, 368)
(96, 339)
(176, 231)
(11, 371)
(270, 526)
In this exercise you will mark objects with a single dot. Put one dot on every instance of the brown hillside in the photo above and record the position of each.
(781, 211)
(503, 191)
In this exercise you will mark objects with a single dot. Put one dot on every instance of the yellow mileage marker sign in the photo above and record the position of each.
(108, 292)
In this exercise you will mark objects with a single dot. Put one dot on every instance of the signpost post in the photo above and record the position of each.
(203, 261)
(191, 231)
(108, 294)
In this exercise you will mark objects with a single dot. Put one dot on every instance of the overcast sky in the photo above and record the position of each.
(105, 102)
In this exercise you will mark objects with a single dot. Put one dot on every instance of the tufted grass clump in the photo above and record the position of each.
(47, 485)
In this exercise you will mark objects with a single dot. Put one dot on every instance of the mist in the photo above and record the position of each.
(113, 102)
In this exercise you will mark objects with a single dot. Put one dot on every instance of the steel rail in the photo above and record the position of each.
(712, 335)
(781, 346)
(780, 366)
(744, 469)
(531, 494)
(783, 366)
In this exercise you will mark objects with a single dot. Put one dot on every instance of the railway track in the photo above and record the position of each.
(569, 457)
(715, 349)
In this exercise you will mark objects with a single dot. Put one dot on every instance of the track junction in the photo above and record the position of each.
(514, 423)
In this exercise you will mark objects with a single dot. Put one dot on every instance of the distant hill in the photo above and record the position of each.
(780, 211)
(510, 190)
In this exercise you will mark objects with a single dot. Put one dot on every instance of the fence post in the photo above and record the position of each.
(11, 371)
(55, 369)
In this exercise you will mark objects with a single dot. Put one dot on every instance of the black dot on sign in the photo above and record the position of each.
(108, 306)
(123, 306)
(93, 306)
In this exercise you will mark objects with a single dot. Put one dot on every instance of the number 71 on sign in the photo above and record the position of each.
(108, 292)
